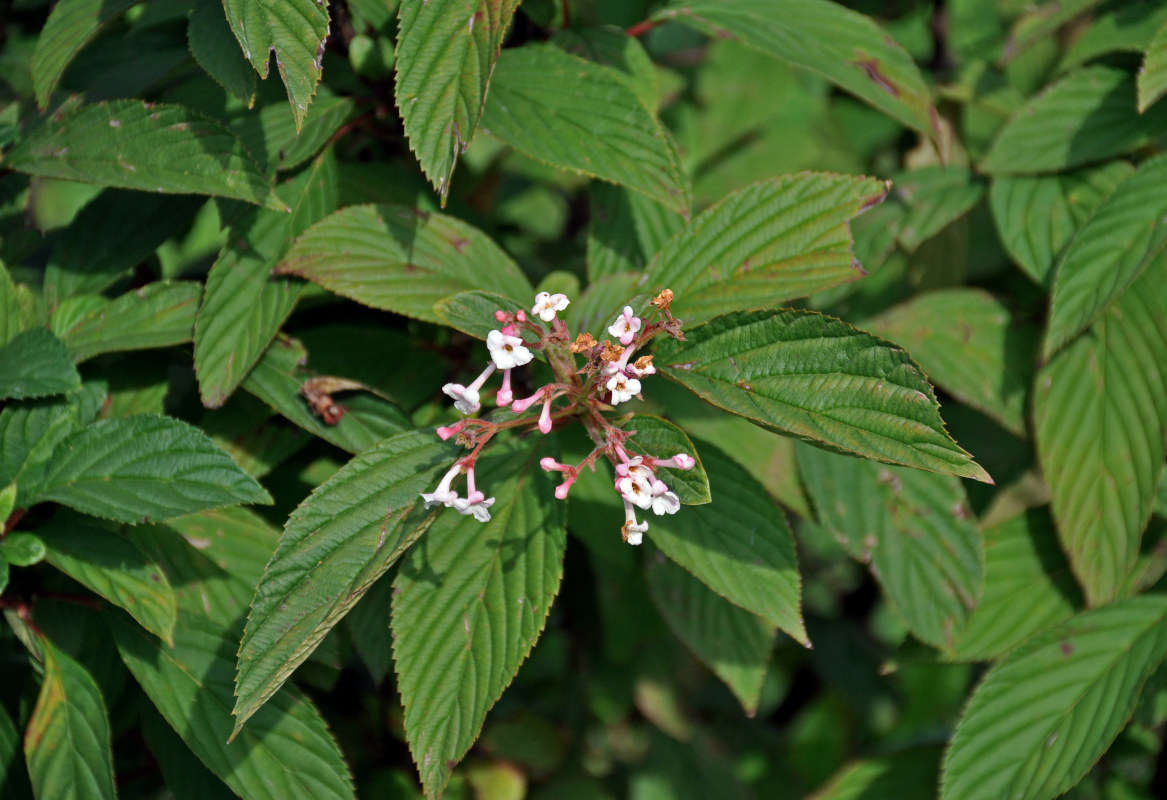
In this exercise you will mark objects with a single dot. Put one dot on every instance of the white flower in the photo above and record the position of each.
(622, 388)
(649, 369)
(546, 304)
(506, 351)
(625, 326)
(465, 397)
(684, 461)
(664, 501)
(634, 533)
(443, 495)
(636, 490)
(476, 505)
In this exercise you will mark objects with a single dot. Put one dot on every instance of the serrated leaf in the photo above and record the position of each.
(659, 438)
(151, 148)
(1109, 253)
(1087, 116)
(1037, 217)
(159, 314)
(904, 775)
(769, 243)
(473, 312)
(214, 47)
(820, 380)
(401, 259)
(732, 642)
(446, 52)
(276, 380)
(625, 230)
(844, 46)
(71, 25)
(244, 306)
(583, 117)
(1100, 414)
(335, 545)
(1044, 715)
(969, 344)
(36, 364)
(272, 137)
(1153, 76)
(739, 545)
(1028, 588)
(294, 30)
(489, 588)
(145, 467)
(67, 744)
(114, 568)
(915, 530)
(936, 197)
(613, 47)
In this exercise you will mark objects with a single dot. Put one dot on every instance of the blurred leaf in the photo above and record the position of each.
(144, 467)
(401, 259)
(1127, 28)
(1044, 715)
(71, 25)
(904, 775)
(441, 90)
(348, 532)
(1153, 75)
(489, 587)
(244, 306)
(11, 322)
(844, 46)
(583, 117)
(1041, 22)
(969, 344)
(1087, 116)
(914, 529)
(159, 314)
(67, 741)
(1037, 217)
(36, 364)
(1100, 415)
(1109, 253)
(295, 31)
(765, 245)
(625, 230)
(1028, 588)
(602, 300)
(22, 549)
(13, 773)
(214, 47)
(115, 569)
(732, 642)
(935, 197)
(658, 438)
(818, 379)
(153, 148)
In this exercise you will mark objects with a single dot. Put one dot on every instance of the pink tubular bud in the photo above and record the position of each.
(445, 433)
(551, 465)
(521, 315)
(545, 417)
(505, 396)
(562, 489)
(500, 316)
(519, 406)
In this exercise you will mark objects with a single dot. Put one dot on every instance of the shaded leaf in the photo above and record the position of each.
(625, 230)
(272, 137)
(159, 314)
(1153, 75)
(22, 549)
(36, 364)
(185, 776)
(71, 25)
(214, 47)
(11, 322)
(904, 775)
(13, 773)
(1042, 21)
(936, 197)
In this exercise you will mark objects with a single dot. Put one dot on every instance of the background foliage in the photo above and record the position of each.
(212, 589)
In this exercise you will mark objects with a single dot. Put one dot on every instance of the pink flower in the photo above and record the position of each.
(625, 326)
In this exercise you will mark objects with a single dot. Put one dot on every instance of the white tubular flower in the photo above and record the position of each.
(625, 326)
(664, 501)
(633, 531)
(476, 505)
(622, 388)
(507, 351)
(547, 304)
(465, 397)
(636, 491)
(684, 461)
(443, 495)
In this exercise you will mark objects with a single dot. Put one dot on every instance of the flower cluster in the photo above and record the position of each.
(609, 377)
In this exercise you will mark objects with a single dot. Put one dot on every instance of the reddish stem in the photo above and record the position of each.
(13, 520)
(641, 28)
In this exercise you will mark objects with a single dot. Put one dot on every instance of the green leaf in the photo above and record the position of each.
(71, 25)
(1037, 217)
(1100, 414)
(1042, 22)
(1109, 253)
(914, 528)
(348, 532)
(844, 46)
(969, 344)
(160, 314)
(612, 47)
(905, 775)
(214, 47)
(152, 148)
(936, 197)
(185, 776)
(739, 545)
(767, 244)
(244, 306)
(1087, 116)
(473, 312)
(488, 588)
(401, 259)
(583, 117)
(36, 364)
(67, 740)
(1028, 588)
(1125, 28)
(11, 322)
(30, 432)
(732, 642)
(7, 501)
(368, 626)
(818, 379)
(659, 438)
(625, 230)
(22, 549)
(145, 467)
(13, 773)
(441, 88)
(115, 569)
(271, 134)
(1044, 715)
(601, 301)
(276, 380)
(294, 30)
(1153, 76)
